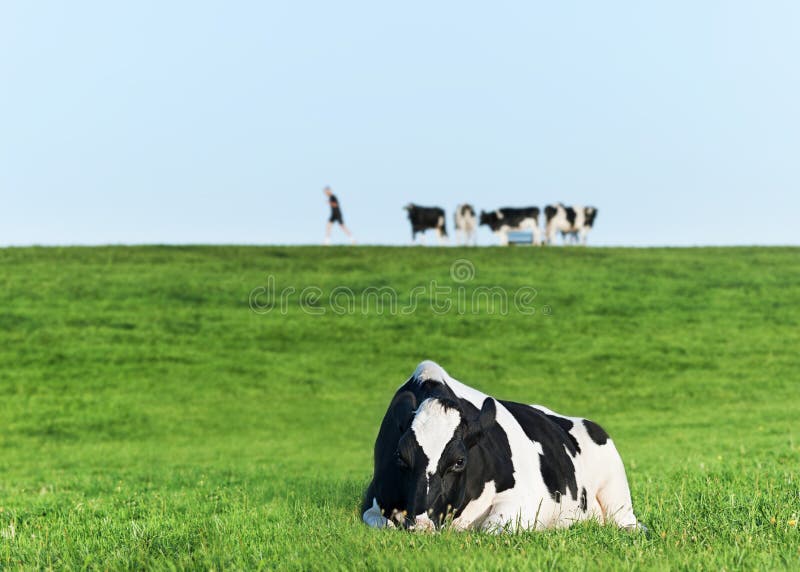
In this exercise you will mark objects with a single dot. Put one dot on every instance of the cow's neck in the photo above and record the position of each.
(488, 462)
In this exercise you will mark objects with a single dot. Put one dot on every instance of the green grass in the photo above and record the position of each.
(149, 418)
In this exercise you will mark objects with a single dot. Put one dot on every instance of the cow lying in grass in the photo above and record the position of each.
(446, 452)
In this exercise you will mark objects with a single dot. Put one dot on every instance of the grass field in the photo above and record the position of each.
(150, 418)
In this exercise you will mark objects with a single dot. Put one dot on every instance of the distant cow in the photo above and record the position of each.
(466, 224)
(446, 450)
(423, 218)
(573, 222)
(504, 220)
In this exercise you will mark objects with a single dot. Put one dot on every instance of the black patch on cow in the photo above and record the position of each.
(566, 425)
(428, 388)
(549, 212)
(389, 484)
(584, 504)
(570, 216)
(597, 433)
(589, 213)
(387, 481)
(509, 217)
(558, 471)
(490, 459)
(423, 218)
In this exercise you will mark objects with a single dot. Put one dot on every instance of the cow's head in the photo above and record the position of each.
(432, 460)
(589, 215)
(487, 218)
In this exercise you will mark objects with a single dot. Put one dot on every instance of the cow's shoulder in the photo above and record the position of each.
(540, 423)
(559, 446)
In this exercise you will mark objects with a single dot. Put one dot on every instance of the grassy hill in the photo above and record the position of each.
(159, 408)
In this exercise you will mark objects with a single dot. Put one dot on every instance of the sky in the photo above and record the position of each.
(221, 122)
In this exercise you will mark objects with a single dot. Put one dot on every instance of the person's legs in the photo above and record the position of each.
(347, 232)
(328, 232)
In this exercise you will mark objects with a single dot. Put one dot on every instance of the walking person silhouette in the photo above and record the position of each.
(336, 216)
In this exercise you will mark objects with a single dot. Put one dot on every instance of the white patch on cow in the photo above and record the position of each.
(429, 371)
(434, 427)
(466, 224)
(526, 224)
(502, 233)
(477, 509)
(423, 522)
(440, 230)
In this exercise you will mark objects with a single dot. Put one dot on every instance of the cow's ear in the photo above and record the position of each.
(488, 414)
(403, 406)
(482, 423)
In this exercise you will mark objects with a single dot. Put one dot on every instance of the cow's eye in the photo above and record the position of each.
(458, 465)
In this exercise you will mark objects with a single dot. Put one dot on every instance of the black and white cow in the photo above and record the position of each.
(573, 222)
(423, 218)
(448, 451)
(466, 224)
(504, 220)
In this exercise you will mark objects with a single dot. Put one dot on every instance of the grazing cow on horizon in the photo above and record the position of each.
(466, 224)
(572, 222)
(507, 219)
(447, 451)
(423, 218)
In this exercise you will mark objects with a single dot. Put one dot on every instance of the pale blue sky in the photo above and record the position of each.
(198, 122)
